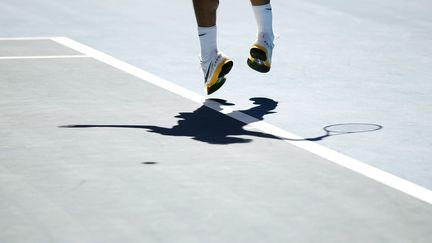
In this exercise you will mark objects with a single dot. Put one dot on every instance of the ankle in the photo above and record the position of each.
(265, 36)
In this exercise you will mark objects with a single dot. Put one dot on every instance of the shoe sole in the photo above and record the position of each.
(257, 60)
(226, 68)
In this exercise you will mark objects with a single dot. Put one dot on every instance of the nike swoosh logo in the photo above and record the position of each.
(268, 9)
(202, 34)
(207, 74)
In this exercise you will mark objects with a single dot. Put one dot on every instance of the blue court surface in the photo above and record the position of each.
(106, 134)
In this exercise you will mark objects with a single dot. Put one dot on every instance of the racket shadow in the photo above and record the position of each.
(342, 129)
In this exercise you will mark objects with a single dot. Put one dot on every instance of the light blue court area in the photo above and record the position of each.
(106, 136)
(335, 62)
(93, 152)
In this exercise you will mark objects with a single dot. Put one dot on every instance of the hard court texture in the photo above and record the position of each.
(335, 62)
(90, 153)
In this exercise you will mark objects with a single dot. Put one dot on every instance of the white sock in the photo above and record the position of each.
(208, 42)
(264, 17)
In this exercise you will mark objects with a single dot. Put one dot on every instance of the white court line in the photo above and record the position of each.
(326, 153)
(24, 38)
(44, 57)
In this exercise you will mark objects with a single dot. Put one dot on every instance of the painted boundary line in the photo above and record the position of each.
(381, 176)
(44, 57)
(24, 38)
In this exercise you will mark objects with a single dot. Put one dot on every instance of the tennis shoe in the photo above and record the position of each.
(215, 69)
(261, 53)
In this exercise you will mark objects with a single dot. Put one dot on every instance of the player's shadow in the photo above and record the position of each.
(207, 125)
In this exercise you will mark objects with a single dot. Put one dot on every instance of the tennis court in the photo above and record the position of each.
(112, 139)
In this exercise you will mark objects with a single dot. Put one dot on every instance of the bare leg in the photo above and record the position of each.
(259, 2)
(214, 64)
(205, 12)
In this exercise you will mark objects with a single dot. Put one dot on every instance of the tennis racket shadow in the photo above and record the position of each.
(342, 129)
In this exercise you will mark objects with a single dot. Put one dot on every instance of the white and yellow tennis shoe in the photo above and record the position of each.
(260, 53)
(215, 70)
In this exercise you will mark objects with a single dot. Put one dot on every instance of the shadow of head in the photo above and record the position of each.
(265, 102)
